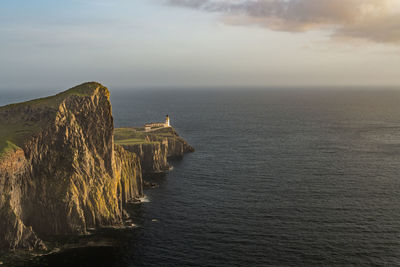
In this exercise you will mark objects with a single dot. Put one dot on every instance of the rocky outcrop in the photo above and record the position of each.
(13, 185)
(160, 146)
(176, 145)
(67, 176)
(128, 169)
(61, 172)
(73, 182)
(153, 156)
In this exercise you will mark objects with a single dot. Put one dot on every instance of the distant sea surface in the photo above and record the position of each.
(279, 177)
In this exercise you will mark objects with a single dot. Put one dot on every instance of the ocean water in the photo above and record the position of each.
(279, 177)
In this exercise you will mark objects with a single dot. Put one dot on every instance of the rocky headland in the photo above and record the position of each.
(62, 173)
(154, 148)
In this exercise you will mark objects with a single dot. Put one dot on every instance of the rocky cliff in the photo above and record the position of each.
(60, 171)
(13, 185)
(153, 148)
(153, 156)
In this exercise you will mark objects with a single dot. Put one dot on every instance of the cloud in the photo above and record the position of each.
(374, 20)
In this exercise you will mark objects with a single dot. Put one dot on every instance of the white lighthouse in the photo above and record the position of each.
(167, 124)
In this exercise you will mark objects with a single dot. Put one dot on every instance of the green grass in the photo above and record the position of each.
(17, 122)
(129, 136)
(136, 135)
(133, 141)
(13, 133)
(8, 147)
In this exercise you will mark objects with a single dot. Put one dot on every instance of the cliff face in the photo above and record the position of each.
(66, 176)
(153, 148)
(153, 156)
(13, 185)
(176, 146)
(129, 171)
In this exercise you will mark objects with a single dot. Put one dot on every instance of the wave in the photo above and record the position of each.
(144, 199)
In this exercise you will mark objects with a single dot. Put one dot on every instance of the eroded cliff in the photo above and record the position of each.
(153, 148)
(13, 185)
(60, 172)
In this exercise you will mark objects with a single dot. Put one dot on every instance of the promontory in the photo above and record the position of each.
(64, 169)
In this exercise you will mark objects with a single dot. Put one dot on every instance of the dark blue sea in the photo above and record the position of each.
(280, 177)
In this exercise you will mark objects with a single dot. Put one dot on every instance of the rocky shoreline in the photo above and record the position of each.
(62, 173)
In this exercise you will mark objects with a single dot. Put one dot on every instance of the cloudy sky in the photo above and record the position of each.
(199, 43)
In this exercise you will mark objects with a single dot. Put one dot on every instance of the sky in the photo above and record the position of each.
(199, 43)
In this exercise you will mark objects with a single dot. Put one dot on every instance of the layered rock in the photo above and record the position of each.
(128, 169)
(156, 148)
(67, 175)
(176, 145)
(13, 186)
(153, 156)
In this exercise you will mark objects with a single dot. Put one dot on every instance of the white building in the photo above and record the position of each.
(167, 124)
(156, 125)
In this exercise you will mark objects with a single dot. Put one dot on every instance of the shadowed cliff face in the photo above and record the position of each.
(129, 171)
(153, 156)
(65, 177)
(153, 148)
(13, 184)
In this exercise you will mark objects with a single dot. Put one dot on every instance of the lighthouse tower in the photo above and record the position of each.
(167, 124)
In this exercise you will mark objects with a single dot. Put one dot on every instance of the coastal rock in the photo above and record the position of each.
(176, 145)
(130, 186)
(153, 156)
(13, 185)
(65, 175)
(155, 148)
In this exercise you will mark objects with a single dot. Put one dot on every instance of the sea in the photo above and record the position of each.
(280, 177)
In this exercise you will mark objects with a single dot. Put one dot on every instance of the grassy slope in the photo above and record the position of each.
(133, 136)
(16, 126)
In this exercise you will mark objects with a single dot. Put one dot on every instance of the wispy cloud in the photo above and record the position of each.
(374, 20)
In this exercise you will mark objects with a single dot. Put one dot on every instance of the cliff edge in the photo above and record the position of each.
(60, 171)
(154, 148)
